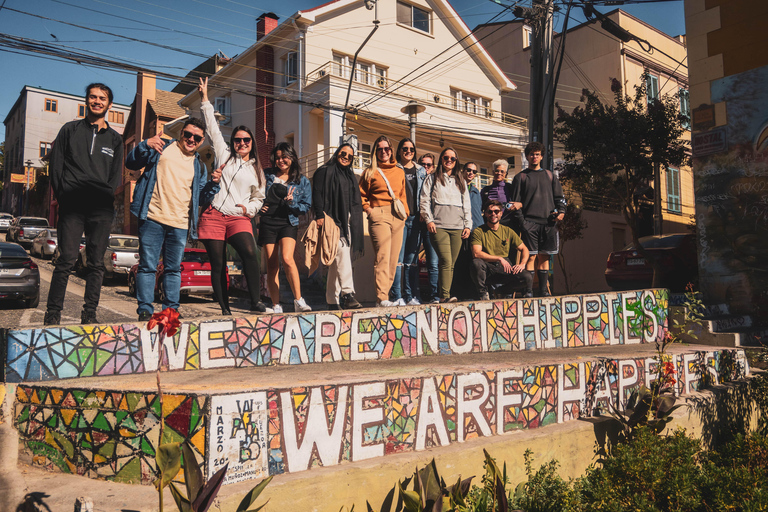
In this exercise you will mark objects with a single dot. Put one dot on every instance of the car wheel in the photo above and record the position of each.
(33, 302)
(132, 285)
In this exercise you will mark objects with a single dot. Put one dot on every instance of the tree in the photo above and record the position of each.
(571, 228)
(613, 148)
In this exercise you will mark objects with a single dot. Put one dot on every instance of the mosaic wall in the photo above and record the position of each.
(570, 321)
(100, 434)
(114, 435)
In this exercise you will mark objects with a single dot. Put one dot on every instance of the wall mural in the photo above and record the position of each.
(525, 324)
(114, 435)
(731, 181)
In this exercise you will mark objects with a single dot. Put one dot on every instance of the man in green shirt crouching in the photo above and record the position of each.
(495, 249)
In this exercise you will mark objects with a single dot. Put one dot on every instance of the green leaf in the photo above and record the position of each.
(252, 495)
(386, 505)
(411, 500)
(193, 477)
(181, 502)
(205, 499)
(168, 461)
(501, 495)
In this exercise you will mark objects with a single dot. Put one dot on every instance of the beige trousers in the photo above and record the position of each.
(340, 278)
(387, 236)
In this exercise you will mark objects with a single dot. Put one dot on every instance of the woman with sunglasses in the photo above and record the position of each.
(446, 208)
(381, 184)
(227, 220)
(335, 193)
(288, 195)
(405, 288)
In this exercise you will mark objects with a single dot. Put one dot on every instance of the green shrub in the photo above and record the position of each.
(734, 476)
(545, 490)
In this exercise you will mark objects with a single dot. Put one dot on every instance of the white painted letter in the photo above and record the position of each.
(466, 347)
(362, 417)
(471, 407)
(292, 337)
(506, 400)
(426, 330)
(207, 344)
(430, 413)
(332, 340)
(357, 338)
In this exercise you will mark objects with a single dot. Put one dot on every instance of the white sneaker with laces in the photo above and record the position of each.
(385, 304)
(277, 308)
(399, 302)
(300, 305)
(414, 302)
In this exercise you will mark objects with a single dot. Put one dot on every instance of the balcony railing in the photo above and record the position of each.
(428, 97)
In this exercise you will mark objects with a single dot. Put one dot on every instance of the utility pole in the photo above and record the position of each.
(541, 98)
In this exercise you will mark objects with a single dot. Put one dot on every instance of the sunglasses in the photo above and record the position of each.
(494, 212)
(471, 171)
(345, 156)
(408, 150)
(242, 140)
(447, 158)
(189, 135)
(427, 166)
(384, 150)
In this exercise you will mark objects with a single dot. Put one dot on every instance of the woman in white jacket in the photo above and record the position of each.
(445, 205)
(227, 220)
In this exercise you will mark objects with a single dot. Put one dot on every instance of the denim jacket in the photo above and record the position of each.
(421, 175)
(302, 196)
(146, 157)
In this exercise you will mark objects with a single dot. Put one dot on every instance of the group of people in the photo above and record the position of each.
(504, 233)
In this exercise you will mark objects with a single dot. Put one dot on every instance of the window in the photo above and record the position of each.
(51, 105)
(45, 148)
(673, 190)
(471, 104)
(364, 155)
(115, 117)
(365, 72)
(81, 110)
(221, 105)
(413, 16)
(652, 87)
(291, 67)
(527, 36)
(685, 107)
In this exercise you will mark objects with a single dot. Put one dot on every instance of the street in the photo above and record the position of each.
(115, 306)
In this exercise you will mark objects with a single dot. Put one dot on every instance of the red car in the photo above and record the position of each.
(195, 275)
(627, 269)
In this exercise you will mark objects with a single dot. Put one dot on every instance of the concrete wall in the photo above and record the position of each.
(728, 70)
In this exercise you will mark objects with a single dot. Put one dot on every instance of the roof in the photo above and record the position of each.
(166, 104)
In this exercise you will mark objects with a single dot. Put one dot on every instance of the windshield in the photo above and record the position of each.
(12, 251)
(42, 223)
(195, 257)
(663, 242)
(124, 242)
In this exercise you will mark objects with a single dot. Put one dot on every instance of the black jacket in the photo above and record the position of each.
(541, 194)
(86, 165)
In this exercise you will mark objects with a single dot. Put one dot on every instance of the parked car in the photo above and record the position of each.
(24, 229)
(628, 269)
(122, 253)
(19, 275)
(5, 222)
(195, 275)
(44, 244)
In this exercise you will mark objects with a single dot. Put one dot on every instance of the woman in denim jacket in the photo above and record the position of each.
(288, 195)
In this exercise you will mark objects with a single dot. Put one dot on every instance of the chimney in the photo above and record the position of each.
(265, 24)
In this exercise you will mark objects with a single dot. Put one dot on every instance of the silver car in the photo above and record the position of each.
(122, 253)
(44, 245)
(5, 222)
(19, 275)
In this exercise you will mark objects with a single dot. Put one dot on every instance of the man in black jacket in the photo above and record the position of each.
(538, 202)
(85, 170)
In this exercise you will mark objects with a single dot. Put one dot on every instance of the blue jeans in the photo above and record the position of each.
(409, 260)
(431, 254)
(154, 239)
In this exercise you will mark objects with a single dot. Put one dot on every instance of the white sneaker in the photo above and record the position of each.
(277, 308)
(300, 305)
(414, 302)
(385, 304)
(435, 301)
(399, 302)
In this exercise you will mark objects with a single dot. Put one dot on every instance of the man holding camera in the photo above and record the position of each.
(495, 248)
(538, 202)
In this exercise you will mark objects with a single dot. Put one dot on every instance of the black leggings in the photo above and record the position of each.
(245, 246)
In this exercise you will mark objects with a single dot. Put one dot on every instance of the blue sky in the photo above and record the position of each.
(218, 25)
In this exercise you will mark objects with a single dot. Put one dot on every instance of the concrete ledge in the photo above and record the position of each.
(624, 318)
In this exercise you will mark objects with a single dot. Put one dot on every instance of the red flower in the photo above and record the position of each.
(167, 319)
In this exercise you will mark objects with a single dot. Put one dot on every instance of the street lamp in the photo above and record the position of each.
(26, 191)
(412, 109)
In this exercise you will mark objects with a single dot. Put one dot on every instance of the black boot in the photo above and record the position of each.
(348, 301)
(543, 283)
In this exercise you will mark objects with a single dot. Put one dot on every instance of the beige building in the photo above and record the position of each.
(291, 85)
(592, 58)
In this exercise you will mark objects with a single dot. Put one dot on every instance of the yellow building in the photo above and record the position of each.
(592, 58)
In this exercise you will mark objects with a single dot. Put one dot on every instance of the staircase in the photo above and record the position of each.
(276, 394)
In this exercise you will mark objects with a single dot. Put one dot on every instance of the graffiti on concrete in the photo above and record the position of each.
(526, 324)
(113, 435)
(105, 434)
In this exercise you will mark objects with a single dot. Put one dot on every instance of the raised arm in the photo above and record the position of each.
(220, 146)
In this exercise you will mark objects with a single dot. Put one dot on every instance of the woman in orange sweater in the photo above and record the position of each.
(380, 185)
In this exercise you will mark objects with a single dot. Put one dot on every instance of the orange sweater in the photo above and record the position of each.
(375, 193)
